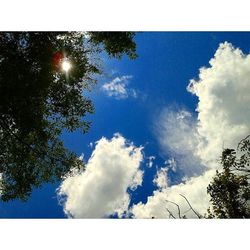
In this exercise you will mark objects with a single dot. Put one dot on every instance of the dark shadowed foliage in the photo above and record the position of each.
(230, 190)
(38, 100)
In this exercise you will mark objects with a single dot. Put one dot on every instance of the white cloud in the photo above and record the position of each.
(224, 100)
(150, 161)
(137, 180)
(193, 189)
(223, 120)
(161, 178)
(102, 189)
(118, 88)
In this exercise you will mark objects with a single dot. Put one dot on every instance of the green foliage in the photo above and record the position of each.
(230, 190)
(116, 43)
(38, 100)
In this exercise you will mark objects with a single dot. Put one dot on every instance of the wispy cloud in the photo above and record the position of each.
(176, 132)
(118, 88)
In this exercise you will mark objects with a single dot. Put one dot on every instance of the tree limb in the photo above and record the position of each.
(178, 207)
(199, 216)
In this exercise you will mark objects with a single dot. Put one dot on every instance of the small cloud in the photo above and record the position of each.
(118, 88)
(160, 179)
(151, 159)
(137, 180)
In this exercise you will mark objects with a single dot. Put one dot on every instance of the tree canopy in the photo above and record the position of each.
(38, 100)
(230, 189)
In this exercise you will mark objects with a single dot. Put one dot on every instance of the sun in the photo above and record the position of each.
(66, 65)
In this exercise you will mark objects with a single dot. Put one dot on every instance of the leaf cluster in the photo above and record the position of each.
(230, 189)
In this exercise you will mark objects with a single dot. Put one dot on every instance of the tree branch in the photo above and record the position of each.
(242, 141)
(170, 214)
(198, 215)
(178, 207)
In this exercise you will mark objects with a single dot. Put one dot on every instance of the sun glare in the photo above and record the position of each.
(66, 65)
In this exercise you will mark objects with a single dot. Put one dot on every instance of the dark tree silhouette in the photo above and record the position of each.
(38, 100)
(230, 190)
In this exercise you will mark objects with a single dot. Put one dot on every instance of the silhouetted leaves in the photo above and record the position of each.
(116, 43)
(230, 190)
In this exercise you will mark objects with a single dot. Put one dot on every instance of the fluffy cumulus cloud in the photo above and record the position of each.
(196, 143)
(223, 108)
(118, 88)
(101, 190)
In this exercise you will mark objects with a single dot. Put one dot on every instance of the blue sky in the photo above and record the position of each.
(146, 101)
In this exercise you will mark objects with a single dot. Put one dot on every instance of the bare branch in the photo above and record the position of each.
(242, 141)
(179, 211)
(170, 214)
(198, 215)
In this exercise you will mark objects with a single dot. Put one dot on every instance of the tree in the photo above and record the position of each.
(38, 100)
(230, 190)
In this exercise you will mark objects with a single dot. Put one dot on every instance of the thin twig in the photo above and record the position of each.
(199, 216)
(242, 141)
(170, 214)
(179, 211)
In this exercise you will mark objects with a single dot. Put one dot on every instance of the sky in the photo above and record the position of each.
(160, 124)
